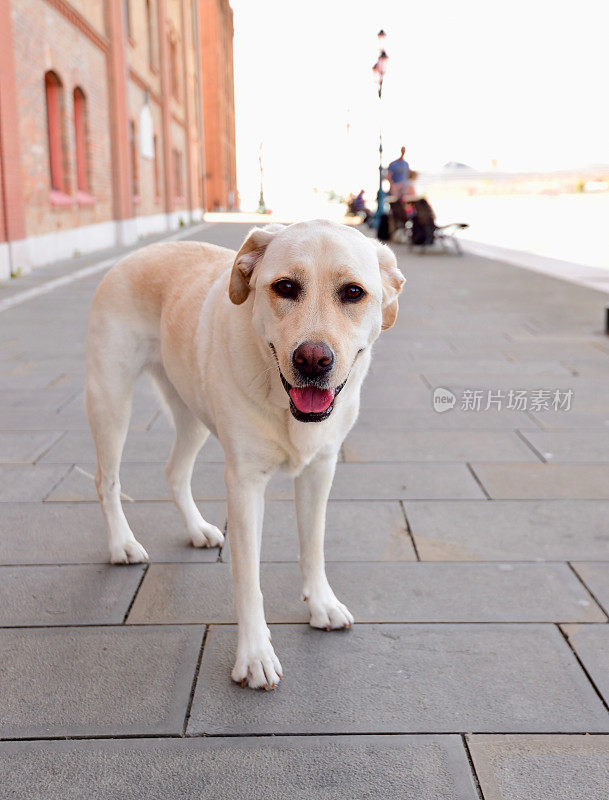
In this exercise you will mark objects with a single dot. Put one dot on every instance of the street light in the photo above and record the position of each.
(261, 203)
(380, 69)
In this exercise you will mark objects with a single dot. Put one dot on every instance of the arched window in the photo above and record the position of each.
(174, 67)
(54, 98)
(178, 174)
(157, 187)
(134, 164)
(151, 29)
(81, 141)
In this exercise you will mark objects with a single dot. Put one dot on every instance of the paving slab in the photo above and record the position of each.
(29, 482)
(541, 767)
(543, 530)
(499, 365)
(402, 678)
(17, 399)
(558, 420)
(36, 377)
(352, 482)
(19, 419)
(544, 481)
(583, 445)
(386, 395)
(395, 445)
(425, 418)
(143, 446)
(404, 481)
(372, 530)
(97, 681)
(596, 577)
(375, 592)
(75, 533)
(243, 768)
(473, 378)
(140, 481)
(67, 595)
(591, 643)
(25, 447)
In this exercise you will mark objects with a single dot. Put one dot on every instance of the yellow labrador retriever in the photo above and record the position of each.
(251, 346)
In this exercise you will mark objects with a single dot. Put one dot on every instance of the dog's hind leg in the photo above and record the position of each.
(112, 369)
(191, 435)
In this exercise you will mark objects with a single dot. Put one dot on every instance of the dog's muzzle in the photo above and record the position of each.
(309, 403)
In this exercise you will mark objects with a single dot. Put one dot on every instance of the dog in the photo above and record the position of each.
(266, 349)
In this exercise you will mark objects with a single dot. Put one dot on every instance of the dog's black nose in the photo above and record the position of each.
(312, 359)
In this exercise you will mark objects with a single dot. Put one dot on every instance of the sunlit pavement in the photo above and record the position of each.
(470, 542)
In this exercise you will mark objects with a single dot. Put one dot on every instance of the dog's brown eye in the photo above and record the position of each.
(351, 293)
(286, 288)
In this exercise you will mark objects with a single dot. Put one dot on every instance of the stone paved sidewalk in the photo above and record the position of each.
(471, 545)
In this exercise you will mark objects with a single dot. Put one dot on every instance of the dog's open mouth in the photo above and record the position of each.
(311, 399)
(309, 403)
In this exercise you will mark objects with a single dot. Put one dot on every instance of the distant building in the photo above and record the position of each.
(116, 121)
(218, 104)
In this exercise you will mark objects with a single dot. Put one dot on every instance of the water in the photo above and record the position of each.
(570, 227)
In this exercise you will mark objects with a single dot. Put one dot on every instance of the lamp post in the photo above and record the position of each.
(379, 69)
(261, 203)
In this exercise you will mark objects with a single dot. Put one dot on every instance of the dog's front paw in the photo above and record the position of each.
(257, 666)
(128, 552)
(327, 611)
(204, 534)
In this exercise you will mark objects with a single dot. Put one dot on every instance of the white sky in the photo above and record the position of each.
(523, 81)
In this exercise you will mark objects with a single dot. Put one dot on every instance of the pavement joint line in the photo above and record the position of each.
(153, 420)
(529, 561)
(223, 545)
(497, 500)
(472, 766)
(57, 482)
(50, 286)
(307, 734)
(587, 588)
(137, 588)
(67, 402)
(535, 422)
(582, 665)
(478, 481)
(298, 623)
(410, 533)
(426, 382)
(63, 376)
(50, 447)
(195, 680)
(531, 447)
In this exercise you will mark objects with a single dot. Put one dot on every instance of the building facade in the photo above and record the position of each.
(218, 104)
(103, 133)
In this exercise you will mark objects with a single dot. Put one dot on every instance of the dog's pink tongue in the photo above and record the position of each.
(310, 399)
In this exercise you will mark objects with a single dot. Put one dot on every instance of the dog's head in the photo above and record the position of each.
(322, 293)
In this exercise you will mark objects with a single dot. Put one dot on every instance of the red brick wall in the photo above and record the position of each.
(45, 40)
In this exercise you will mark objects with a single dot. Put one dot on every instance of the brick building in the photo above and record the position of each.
(218, 103)
(116, 121)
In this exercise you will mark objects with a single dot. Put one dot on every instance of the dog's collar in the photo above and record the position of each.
(302, 416)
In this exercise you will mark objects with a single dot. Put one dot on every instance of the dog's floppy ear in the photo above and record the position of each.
(392, 280)
(248, 256)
